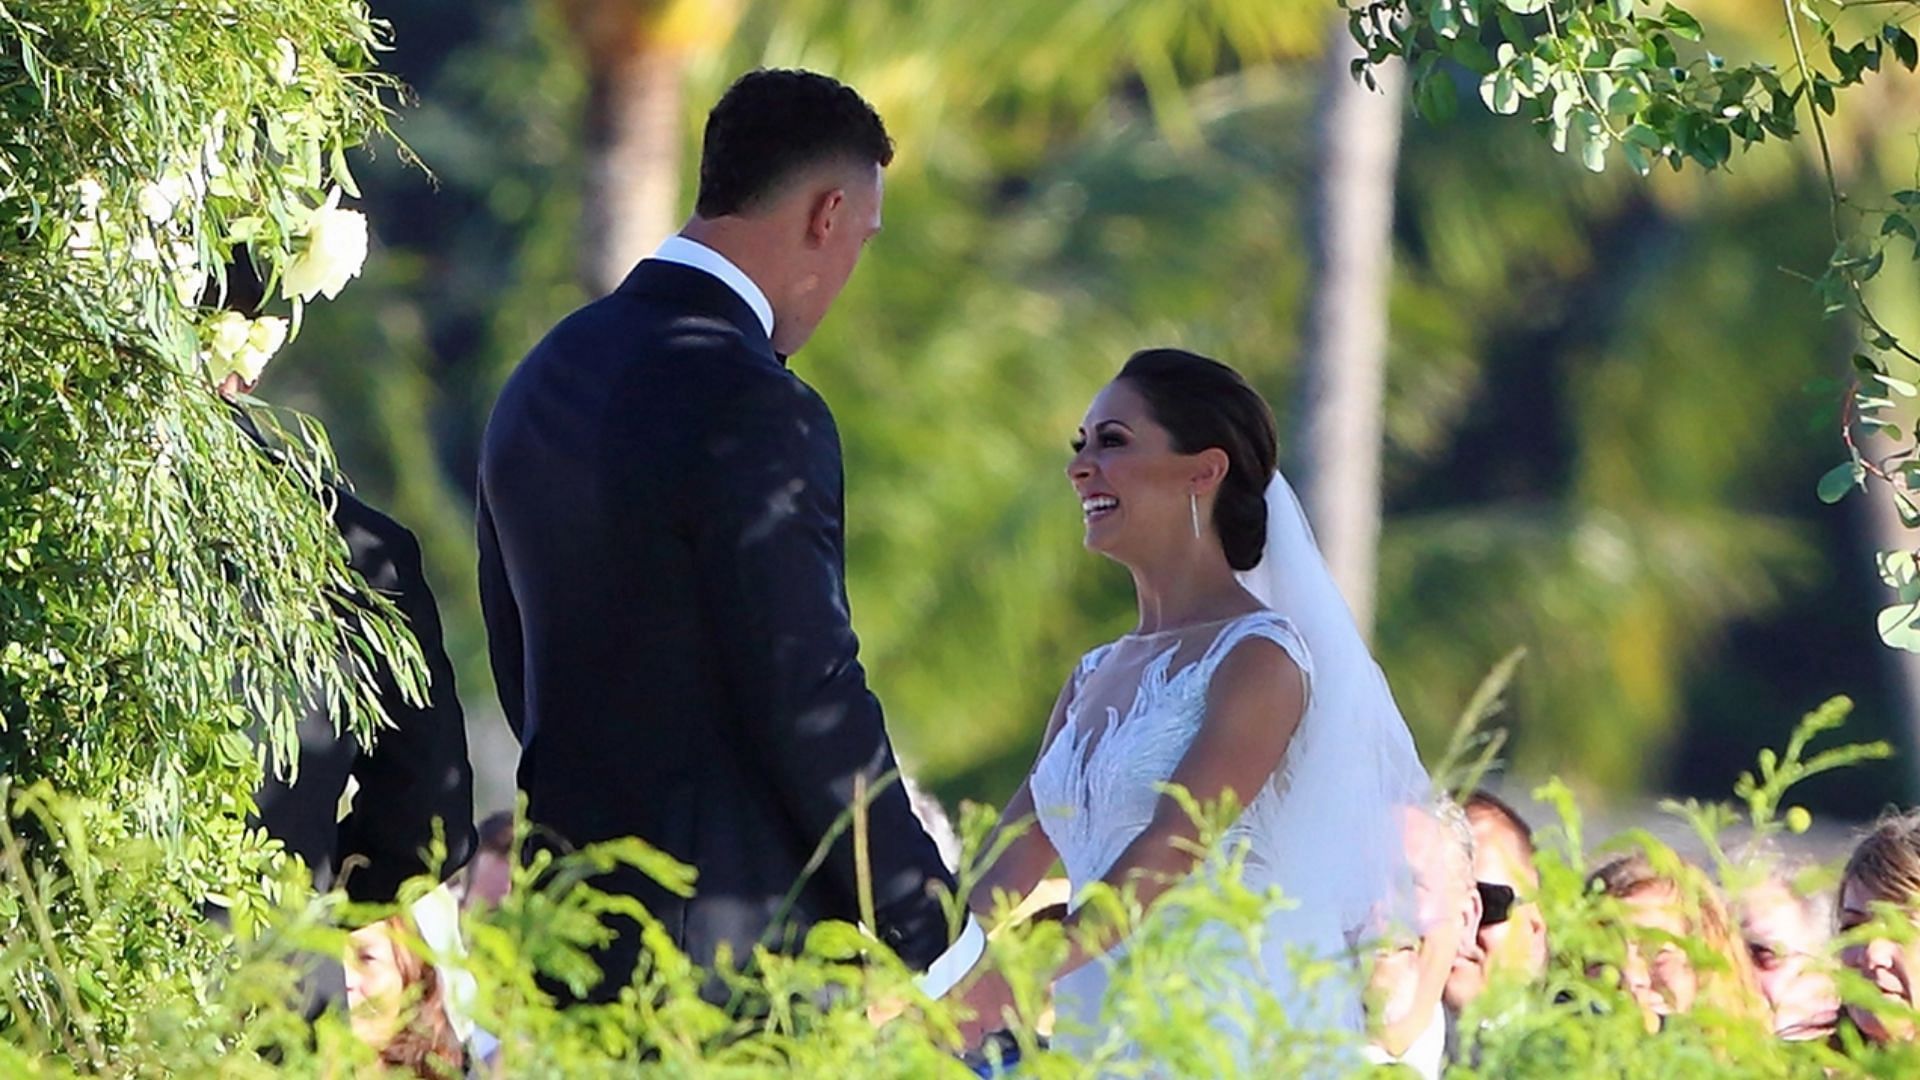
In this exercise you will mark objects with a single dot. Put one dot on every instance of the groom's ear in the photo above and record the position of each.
(824, 216)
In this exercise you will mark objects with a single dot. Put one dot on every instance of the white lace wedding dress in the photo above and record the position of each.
(1134, 708)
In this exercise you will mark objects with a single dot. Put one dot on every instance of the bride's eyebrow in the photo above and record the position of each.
(1112, 423)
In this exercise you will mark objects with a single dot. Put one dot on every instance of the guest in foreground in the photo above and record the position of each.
(398, 1002)
(1664, 915)
(1512, 935)
(1411, 1021)
(1786, 931)
(1884, 870)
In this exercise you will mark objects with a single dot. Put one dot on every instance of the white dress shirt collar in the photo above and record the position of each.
(678, 249)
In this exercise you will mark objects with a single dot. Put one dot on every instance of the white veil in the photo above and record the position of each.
(1352, 774)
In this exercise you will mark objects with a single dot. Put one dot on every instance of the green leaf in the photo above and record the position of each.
(1663, 54)
(1629, 58)
(1900, 224)
(1908, 198)
(1593, 151)
(1500, 93)
(1905, 49)
(1839, 480)
(835, 940)
(1681, 23)
(1636, 156)
(1897, 568)
(1525, 7)
(338, 171)
(1823, 94)
(1435, 94)
(1898, 386)
(1899, 626)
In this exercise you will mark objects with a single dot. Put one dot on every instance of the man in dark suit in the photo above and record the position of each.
(662, 559)
(415, 781)
(416, 777)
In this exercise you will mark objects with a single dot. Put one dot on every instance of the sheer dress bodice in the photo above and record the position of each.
(1133, 709)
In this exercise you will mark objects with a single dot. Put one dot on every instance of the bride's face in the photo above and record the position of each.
(1133, 487)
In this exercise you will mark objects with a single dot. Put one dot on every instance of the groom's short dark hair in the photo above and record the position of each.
(770, 124)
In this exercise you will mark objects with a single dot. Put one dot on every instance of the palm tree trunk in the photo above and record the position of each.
(633, 151)
(1357, 147)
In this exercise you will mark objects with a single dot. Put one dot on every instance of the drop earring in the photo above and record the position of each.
(1193, 504)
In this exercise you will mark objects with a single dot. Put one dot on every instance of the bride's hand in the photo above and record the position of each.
(988, 998)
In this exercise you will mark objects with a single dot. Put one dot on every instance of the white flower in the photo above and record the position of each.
(267, 334)
(212, 160)
(242, 346)
(155, 204)
(264, 338)
(84, 239)
(288, 64)
(158, 200)
(189, 280)
(230, 331)
(335, 249)
(90, 193)
(143, 249)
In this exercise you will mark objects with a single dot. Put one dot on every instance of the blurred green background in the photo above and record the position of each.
(1599, 441)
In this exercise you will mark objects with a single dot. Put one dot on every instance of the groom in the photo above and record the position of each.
(661, 559)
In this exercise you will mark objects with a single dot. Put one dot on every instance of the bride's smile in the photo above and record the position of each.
(1095, 507)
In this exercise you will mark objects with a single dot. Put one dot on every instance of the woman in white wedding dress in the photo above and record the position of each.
(1245, 676)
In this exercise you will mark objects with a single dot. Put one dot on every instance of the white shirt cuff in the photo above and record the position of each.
(949, 967)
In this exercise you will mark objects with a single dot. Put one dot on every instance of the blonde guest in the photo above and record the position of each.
(1662, 911)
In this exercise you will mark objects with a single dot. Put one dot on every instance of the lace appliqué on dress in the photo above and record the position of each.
(1095, 788)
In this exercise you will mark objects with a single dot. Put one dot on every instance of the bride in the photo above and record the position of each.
(1245, 677)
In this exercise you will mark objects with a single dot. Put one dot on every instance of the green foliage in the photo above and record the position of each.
(1174, 1006)
(1620, 74)
(167, 588)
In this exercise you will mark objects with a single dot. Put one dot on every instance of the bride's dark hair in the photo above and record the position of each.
(1203, 403)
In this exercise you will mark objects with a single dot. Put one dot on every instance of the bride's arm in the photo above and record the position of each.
(1029, 854)
(1254, 705)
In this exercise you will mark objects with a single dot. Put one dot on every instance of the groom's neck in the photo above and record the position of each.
(746, 243)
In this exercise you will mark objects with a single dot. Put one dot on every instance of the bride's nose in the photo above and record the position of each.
(1079, 467)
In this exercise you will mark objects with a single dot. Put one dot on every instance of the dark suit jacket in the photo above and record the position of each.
(416, 773)
(662, 564)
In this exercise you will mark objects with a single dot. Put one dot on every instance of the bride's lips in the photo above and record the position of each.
(1097, 505)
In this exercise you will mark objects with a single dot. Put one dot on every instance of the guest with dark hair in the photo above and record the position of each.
(1512, 935)
(490, 874)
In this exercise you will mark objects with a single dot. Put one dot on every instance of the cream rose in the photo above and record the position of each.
(242, 346)
(336, 248)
